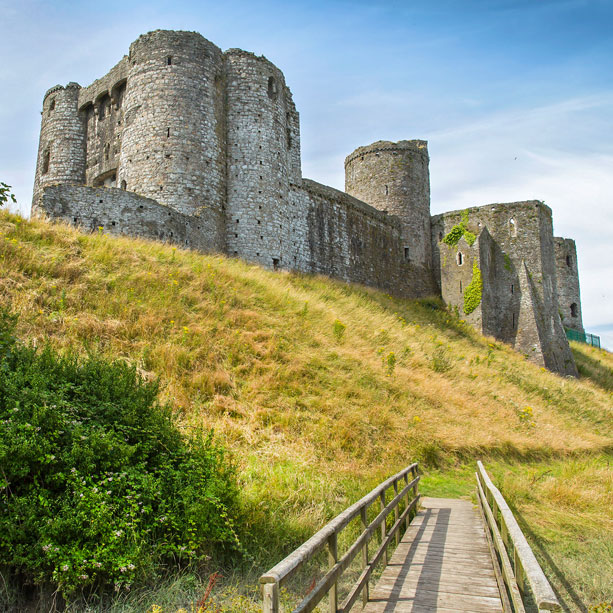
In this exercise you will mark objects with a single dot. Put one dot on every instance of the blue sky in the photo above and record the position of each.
(514, 97)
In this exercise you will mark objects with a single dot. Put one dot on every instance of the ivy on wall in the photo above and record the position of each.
(472, 294)
(452, 238)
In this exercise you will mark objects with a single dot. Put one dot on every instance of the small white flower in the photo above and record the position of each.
(118, 532)
(73, 470)
(108, 492)
(84, 577)
(46, 547)
(122, 569)
(131, 566)
(65, 567)
(97, 564)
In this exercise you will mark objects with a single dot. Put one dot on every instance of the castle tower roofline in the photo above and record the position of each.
(498, 206)
(57, 88)
(416, 146)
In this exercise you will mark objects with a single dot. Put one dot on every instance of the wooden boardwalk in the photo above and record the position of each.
(443, 563)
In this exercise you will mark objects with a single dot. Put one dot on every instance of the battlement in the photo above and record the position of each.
(415, 146)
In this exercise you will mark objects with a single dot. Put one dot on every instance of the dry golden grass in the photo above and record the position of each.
(313, 417)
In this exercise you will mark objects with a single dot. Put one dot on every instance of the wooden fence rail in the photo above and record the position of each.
(328, 536)
(511, 544)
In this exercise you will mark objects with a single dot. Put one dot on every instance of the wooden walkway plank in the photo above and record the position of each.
(443, 564)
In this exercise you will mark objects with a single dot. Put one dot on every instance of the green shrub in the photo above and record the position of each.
(97, 485)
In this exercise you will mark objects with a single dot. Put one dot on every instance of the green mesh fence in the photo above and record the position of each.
(583, 337)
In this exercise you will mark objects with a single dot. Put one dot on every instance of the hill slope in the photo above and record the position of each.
(322, 389)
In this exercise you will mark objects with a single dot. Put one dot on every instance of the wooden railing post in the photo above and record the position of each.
(383, 525)
(270, 598)
(407, 519)
(364, 518)
(396, 513)
(333, 559)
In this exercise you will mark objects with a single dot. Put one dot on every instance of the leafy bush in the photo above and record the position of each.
(97, 485)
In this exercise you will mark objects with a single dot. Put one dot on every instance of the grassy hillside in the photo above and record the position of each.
(321, 389)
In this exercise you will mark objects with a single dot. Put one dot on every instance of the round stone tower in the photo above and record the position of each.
(173, 146)
(394, 177)
(61, 150)
(261, 160)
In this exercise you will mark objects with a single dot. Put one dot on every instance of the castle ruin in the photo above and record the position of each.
(201, 148)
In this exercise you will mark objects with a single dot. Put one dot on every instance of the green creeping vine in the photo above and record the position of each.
(452, 238)
(472, 294)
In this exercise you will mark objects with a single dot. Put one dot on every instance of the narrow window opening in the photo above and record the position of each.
(387, 191)
(275, 263)
(46, 161)
(574, 311)
(512, 227)
(169, 60)
(514, 320)
(235, 235)
(440, 236)
(141, 206)
(237, 221)
(460, 287)
(272, 88)
(167, 132)
(569, 261)
(460, 258)
(124, 186)
(406, 253)
(52, 106)
(112, 223)
(512, 288)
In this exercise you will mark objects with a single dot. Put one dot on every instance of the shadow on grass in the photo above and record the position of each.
(594, 370)
(563, 584)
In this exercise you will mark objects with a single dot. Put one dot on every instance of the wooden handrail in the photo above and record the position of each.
(328, 536)
(511, 543)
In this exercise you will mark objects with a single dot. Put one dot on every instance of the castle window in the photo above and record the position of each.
(574, 311)
(169, 60)
(46, 161)
(167, 132)
(272, 88)
(513, 320)
(460, 287)
(569, 261)
(406, 254)
(52, 106)
(103, 106)
(512, 288)
(275, 263)
(460, 258)
(387, 191)
(124, 186)
(512, 227)
(440, 236)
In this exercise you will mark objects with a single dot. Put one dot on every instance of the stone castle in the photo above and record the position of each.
(201, 148)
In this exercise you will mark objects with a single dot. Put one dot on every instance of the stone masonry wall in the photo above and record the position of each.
(173, 146)
(567, 275)
(394, 177)
(519, 279)
(101, 107)
(349, 240)
(61, 150)
(261, 136)
(121, 212)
